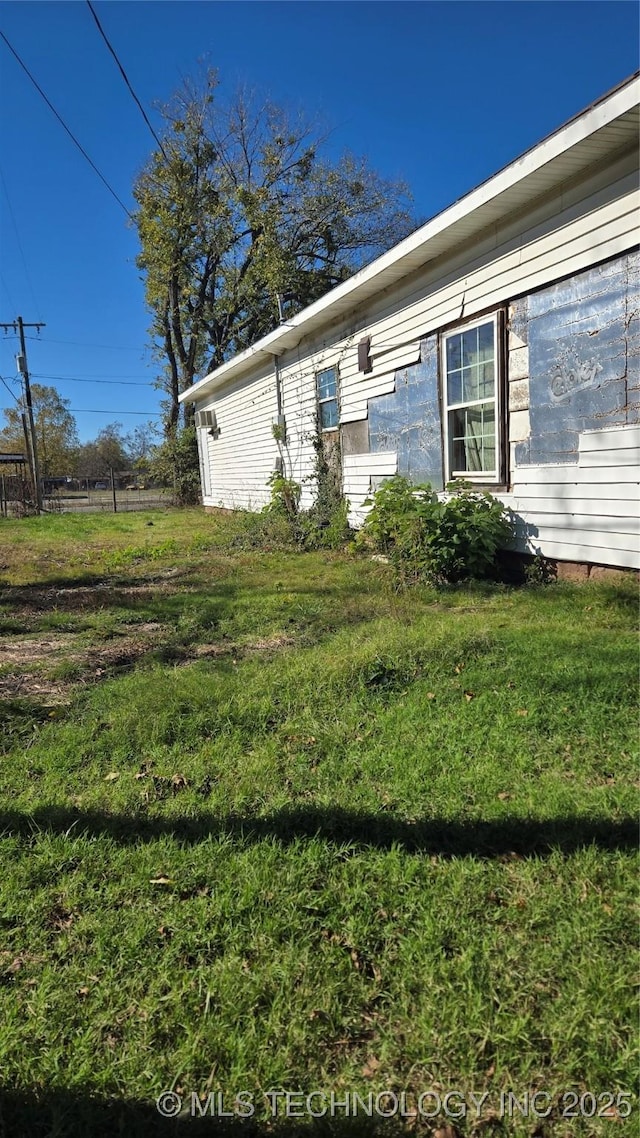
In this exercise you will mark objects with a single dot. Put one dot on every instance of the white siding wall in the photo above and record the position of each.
(243, 456)
(362, 473)
(204, 461)
(299, 410)
(585, 512)
(589, 221)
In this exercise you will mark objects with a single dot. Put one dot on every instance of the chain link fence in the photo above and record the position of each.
(17, 498)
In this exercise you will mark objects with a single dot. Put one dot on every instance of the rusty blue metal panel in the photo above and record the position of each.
(598, 281)
(408, 421)
(583, 359)
(584, 373)
(633, 332)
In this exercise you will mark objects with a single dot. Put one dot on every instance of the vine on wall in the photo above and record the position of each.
(325, 524)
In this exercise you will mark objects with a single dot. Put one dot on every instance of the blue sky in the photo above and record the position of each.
(439, 94)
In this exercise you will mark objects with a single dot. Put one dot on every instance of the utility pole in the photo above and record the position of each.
(19, 326)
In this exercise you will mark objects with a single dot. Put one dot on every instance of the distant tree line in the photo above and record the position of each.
(60, 451)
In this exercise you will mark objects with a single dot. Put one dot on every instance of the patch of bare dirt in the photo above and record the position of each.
(122, 653)
(33, 650)
(29, 661)
(268, 644)
(31, 685)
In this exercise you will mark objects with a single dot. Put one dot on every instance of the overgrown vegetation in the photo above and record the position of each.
(285, 497)
(175, 464)
(325, 525)
(437, 540)
(540, 571)
(269, 823)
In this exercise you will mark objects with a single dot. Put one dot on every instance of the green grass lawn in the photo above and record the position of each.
(269, 825)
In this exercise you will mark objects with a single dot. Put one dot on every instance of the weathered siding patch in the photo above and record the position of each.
(583, 342)
(632, 321)
(354, 437)
(408, 421)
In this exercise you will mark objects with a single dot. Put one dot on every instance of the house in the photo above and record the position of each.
(499, 342)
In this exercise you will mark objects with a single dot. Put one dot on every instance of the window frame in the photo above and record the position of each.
(496, 476)
(328, 399)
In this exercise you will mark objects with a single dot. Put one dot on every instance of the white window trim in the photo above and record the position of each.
(328, 399)
(492, 477)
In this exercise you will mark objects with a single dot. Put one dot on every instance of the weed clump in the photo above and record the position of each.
(539, 572)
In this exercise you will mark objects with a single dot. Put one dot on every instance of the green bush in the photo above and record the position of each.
(175, 464)
(395, 507)
(440, 541)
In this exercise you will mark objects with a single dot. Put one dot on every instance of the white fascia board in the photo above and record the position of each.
(611, 107)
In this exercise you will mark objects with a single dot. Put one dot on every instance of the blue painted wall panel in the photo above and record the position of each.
(582, 363)
(584, 373)
(601, 280)
(408, 421)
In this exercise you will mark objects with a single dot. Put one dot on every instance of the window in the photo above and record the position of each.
(327, 388)
(470, 363)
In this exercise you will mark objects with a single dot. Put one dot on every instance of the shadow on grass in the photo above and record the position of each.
(53, 1113)
(90, 591)
(161, 596)
(501, 838)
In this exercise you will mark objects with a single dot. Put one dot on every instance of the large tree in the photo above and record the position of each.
(55, 428)
(242, 221)
(141, 444)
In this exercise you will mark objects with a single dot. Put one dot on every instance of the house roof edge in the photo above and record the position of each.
(606, 109)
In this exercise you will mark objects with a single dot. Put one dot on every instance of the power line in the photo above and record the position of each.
(77, 344)
(109, 411)
(64, 125)
(6, 289)
(124, 76)
(11, 393)
(92, 379)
